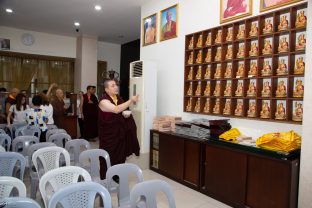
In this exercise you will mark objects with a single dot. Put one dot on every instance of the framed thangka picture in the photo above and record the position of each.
(149, 26)
(272, 4)
(234, 9)
(169, 23)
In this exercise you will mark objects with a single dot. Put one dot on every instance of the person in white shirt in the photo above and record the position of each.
(48, 108)
(17, 111)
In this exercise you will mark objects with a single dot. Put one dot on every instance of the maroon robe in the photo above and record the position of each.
(117, 136)
(90, 115)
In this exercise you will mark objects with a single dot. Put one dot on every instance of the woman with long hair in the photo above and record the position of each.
(17, 111)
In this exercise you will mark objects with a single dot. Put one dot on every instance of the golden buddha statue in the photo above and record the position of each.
(218, 37)
(301, 42)
(266, 91)
(298, 112)
(265, 111)
(267, 48)
(300, 66)
(227, 107)
(281, 90)
(241, 32)
(217, 74)
(197, 106)
(229, 36)
(251, 109)
(190, 59)
(228, 71)
(190, 90)
(229, 53)
(280, 113)
(207, 89)
(239, 108)
(253, 69)
(267, 70)
(208, 40)
(299, 88)
(208, 56)
(252, 90)
(190, 74)
(268, 26)
(253, 49)
(241, 51)
(199, 57)
(216, 108)
(198, 89)
(283, 25)
(239, 89)
(253, 30)
(301, 20)
(208, 73)
(240, 70)
(191, 43)
(189, 105)
(282, 67)
(218, 54)
(217, 91)
(207, 106)
(199, 72)
(283, 45)
(228, 89)
(199, 41)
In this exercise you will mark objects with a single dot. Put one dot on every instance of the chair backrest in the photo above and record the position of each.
(2, 131)
(60, 178)
(16, 126)
(8, 163)
(148, 190)
(75, 147)
(51, 126)
(28, 131)
(16, 202)
(59, 139)
(49, 157)
(5, 141)
(54, 131)
(7, 184)
(34, 148)
(2, 149)
(21, 144)
(80, 195)
(90, 160)
(123, 171)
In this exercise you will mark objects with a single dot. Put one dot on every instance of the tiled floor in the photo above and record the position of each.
(184, 196)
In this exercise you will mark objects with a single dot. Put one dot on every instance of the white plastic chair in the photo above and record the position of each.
(49, 157)
(12, 163)
(51, 126)
(32, 170)
(28, 131)
(80, 195)
(21, 144)
(2, 149)
(16, 126)
(5, 141)
(59, 139)
(59, 178)
(7, 184)
(148, 190)
(54, 131)
(18, 202)
(123, 171)
(75, 147)
(2, 131)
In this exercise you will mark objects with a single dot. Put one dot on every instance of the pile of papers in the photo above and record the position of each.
(165, 123)
(192, 129)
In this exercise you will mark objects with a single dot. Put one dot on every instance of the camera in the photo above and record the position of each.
(77, 29)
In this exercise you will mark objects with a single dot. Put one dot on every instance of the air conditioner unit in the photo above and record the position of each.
(143, 82)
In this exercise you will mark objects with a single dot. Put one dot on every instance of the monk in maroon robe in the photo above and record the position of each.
(117, 131)
(90, 113)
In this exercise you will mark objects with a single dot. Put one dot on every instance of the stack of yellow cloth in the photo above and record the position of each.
(231, 135)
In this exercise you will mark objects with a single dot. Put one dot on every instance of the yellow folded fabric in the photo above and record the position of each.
(230, 135)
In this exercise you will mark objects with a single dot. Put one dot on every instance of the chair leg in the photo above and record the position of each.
(34, 188)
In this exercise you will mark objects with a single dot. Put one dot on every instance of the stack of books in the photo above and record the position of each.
(165, 123)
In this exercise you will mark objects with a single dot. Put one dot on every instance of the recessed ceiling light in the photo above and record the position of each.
(8, 10)
(77, 24)
(98, 7)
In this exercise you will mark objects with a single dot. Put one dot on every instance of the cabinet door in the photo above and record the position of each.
(225, 174)
(171, 155)
(191, 162)
(268, 183)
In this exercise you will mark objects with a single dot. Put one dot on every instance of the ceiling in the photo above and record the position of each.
(117, 22)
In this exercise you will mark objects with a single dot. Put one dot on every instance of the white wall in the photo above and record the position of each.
(45, 44)
(110, 53)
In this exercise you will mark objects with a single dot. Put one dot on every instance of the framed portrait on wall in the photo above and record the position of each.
(149, 26)
(4, 44)
(234, 9)
(272, 4)
(169, 23)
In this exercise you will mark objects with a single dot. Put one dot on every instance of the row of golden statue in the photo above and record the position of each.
(280, 113)
(301, 21)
